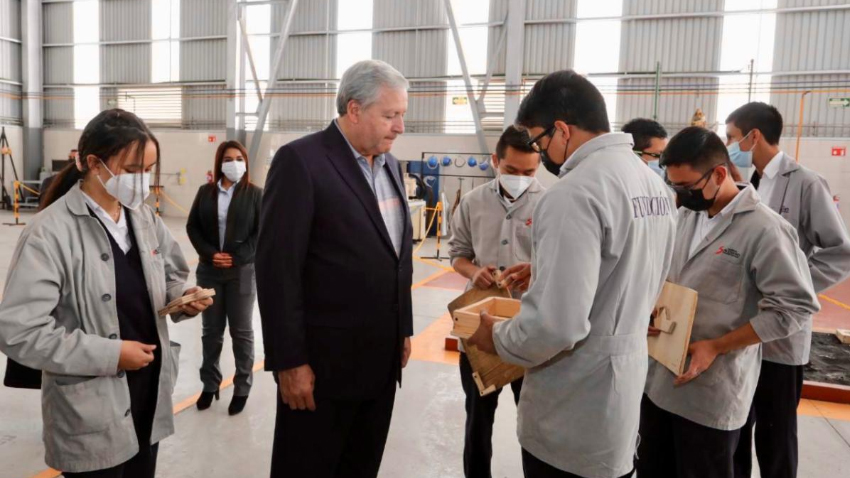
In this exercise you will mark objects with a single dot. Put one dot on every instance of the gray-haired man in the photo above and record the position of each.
(333, 279)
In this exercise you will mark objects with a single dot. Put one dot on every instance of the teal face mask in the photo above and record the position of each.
(742, 159)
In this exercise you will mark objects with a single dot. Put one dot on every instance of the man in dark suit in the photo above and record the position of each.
(334, 272)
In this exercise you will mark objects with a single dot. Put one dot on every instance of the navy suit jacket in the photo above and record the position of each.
(332, 291)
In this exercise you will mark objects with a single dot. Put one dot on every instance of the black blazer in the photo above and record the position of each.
(332, 292)
(243, 223)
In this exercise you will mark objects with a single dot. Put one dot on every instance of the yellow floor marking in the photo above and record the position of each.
(834, 302)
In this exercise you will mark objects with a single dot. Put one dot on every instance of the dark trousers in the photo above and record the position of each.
(143, 465)
(480, 413)
(532, 467)
(774, 416)
(340, 439)
(233, 305)
(675, 447)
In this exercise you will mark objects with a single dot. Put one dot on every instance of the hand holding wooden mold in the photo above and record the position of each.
(674, 317)
(488, 370)
(176, 304)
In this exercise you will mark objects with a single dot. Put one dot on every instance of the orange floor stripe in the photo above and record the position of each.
(833, 411)
(429, 279)
(48, 473)
(433, 264)
(429, 345)
(188, 402)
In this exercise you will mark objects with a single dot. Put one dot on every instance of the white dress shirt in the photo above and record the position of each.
(119, 231)
(705, 224)
(224, 198)
(768, 178)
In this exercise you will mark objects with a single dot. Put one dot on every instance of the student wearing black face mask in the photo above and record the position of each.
(753, 286)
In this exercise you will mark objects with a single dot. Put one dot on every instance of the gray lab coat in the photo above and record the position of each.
(59, 315)
(802, 197)
(488, 232)
(747, 269)
(603, 241)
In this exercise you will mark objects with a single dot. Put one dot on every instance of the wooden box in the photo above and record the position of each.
(488, 370)
(467, 319)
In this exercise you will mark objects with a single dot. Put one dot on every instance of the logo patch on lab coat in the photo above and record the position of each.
(728, 251)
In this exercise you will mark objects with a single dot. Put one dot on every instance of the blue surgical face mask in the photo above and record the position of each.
(742, 159)
(654, 165)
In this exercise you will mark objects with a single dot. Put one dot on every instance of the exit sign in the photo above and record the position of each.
(211, 138)
(839, 102)
(839, 151)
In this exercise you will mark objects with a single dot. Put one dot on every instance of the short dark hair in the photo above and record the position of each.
(515, 138)
(643, 130)
(761, 116)
(697, 147)
(566, 96)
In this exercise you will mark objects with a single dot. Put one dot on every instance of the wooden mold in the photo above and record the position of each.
(175, 304)
(674, 316)
(488, 370)
(467, 319)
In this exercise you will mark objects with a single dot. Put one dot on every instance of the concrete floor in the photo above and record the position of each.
(426, 437)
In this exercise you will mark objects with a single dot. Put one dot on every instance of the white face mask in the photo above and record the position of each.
(233, 170)
(515, 185)
(130, 189)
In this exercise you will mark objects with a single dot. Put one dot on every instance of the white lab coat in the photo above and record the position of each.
(603, 239)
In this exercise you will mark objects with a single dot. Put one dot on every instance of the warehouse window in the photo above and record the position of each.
(356, 45)
(473, 39)
(86, 61)
(598, 47)
(156, 106)
(165, 50)
(746, 37)
(258, 21)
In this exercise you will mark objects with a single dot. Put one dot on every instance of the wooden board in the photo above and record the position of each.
(175, 304)
(674, 315)
(488, 370)
(843, 335)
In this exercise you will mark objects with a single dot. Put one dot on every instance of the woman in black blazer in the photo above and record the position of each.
(223, 226)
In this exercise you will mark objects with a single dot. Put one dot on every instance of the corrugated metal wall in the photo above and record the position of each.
(547, 47)
(58, 28)
(203, 60)
(59, 107)
(805, 41)
(204, 107)
(682, 45)
(125, 20)
(416, 54)
(10, 61)
(812, 41)
(305, 106)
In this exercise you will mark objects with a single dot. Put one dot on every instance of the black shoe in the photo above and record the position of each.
(206, 399)
(237, 405)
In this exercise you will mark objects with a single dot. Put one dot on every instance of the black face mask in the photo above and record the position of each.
(694, 199)
(550, 165)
